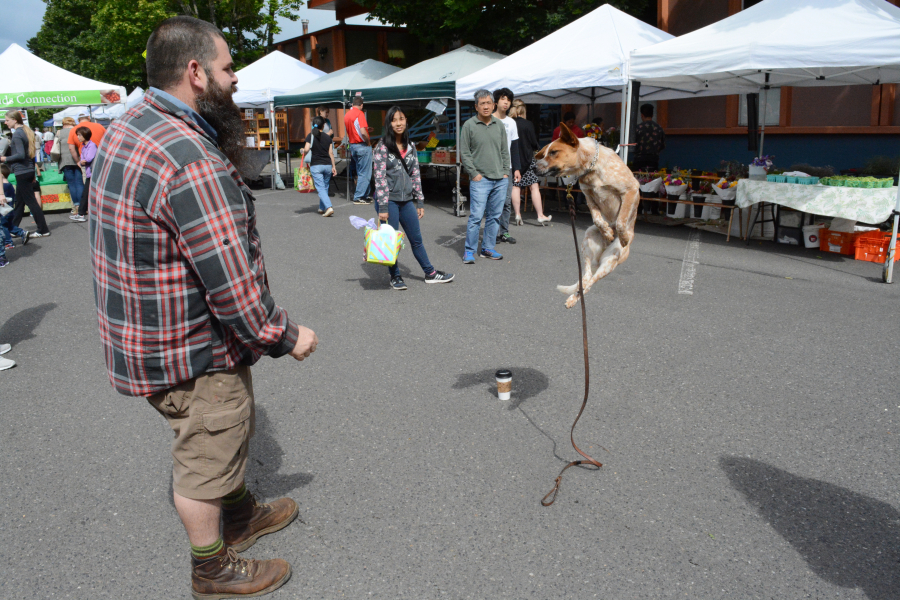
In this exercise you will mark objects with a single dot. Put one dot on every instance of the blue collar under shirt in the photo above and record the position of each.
(193, 114)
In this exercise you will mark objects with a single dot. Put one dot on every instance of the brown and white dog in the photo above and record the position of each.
(613, 196)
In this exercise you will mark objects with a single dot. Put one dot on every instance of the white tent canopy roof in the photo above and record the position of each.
(795, 42)
(272, 75)
(28, 81)
(563, 67)
(101, 112)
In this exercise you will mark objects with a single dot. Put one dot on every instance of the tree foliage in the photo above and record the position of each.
(502, 26)
(105, 39)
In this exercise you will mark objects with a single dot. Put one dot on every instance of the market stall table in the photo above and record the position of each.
(866, 205)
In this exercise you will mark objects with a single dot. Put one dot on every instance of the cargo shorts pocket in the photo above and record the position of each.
(227, 431)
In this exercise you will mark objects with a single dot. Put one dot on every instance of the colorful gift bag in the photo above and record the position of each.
(383, 245)
(303, 180)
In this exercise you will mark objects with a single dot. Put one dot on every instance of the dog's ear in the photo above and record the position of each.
(541, 153)
(566, 136)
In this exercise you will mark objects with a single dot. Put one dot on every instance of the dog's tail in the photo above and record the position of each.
(567, 289)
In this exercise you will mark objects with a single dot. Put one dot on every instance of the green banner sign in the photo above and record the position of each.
(30, 99)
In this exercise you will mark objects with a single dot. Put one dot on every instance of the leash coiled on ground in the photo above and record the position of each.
(587, 376)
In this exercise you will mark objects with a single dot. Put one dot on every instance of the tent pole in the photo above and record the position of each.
(458, 158)
(622, 120)
(888, 273)
(591, 111)
(626, 133)
(347, 149)
(762, 137)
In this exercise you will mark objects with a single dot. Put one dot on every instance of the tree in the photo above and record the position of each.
(105, 39)
(502, 26)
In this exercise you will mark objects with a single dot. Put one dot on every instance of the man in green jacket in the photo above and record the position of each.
(484, 152)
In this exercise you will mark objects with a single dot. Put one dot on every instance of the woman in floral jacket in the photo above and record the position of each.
(397, 184)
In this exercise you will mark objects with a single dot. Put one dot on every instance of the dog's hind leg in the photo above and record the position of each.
(612, 256)
(592, 248)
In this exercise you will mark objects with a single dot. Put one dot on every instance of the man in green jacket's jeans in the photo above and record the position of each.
(484, 153)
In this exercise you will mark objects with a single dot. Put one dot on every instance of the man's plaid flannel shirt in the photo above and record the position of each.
(179, 277)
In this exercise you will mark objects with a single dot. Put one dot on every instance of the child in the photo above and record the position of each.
(88, 153)
(7, 196)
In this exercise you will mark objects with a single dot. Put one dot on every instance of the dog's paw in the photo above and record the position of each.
(571, 300)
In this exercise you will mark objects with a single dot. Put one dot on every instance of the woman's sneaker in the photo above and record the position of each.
(491, 254)
(439, 277)
(397, 283)
(3, 262)
(328, 212)
(78, 218)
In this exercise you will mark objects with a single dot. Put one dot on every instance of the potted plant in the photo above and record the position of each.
(760, 167)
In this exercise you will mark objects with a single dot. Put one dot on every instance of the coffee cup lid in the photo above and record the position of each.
(503, 374)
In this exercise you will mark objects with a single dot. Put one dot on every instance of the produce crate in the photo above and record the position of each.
(839, 242)
(424, 156)
(872, 246)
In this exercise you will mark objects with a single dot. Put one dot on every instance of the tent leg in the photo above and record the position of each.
(626, 133)
(888, 273)
(622, 120)
(347, 152)
(762, 120)
(458, 209)
(277, 183)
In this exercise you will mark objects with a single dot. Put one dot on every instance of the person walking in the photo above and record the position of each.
(68, 165)
(88, 153)
(528, 145)
(503, 99)
(398, 183)
(484, 153)
(360, 150)
(174, 232)
(321, 163)
(21, 162)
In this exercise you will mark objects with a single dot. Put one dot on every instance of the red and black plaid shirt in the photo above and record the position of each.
(179, 277)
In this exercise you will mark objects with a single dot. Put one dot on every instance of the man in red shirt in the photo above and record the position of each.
(358, 132)
(569, 120)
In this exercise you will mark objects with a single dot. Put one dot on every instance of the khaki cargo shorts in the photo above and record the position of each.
(213, 418)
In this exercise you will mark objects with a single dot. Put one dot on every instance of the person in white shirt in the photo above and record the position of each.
(503, 99)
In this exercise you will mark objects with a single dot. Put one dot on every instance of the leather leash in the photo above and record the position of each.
(587, 377)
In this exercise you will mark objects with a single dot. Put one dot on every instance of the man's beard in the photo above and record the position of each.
(216, 106)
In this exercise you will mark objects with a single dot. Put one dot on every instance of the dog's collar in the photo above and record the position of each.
(594, 161)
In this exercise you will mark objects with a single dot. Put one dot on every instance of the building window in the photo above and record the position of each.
(773, 107)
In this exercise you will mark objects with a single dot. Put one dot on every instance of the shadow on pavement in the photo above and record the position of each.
(526, 383)
(377, 277)
(20, 327)
(266, 457)
(847, 539)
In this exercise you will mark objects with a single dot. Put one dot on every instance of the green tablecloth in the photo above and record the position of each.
(859, 204)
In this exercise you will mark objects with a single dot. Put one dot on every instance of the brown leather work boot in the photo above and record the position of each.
(243, 526)
(230, 576)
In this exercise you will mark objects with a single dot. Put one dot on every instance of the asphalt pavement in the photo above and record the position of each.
(743, 401)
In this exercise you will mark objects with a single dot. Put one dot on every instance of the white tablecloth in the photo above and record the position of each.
(859, 204)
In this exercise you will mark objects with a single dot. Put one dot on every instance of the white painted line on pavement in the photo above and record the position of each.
(689, 264)
(452, 241)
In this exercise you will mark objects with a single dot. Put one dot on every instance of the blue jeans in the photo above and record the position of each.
(321, 175)
(404, 213)
(486, 198)
(362, 157)
(73, 178)
(7, 227)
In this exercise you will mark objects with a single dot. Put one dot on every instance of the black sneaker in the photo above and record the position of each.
(369, 199)
(26, 237)
(359, 201)
(505, 237)
(3, 262)
(397, 283)
(439, 277)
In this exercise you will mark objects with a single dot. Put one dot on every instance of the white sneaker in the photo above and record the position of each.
(5, 363)
(4, 348)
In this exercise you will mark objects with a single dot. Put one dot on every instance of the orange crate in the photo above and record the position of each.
(872, 246)
(838, 241)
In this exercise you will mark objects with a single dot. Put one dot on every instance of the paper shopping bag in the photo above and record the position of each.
(383, 245)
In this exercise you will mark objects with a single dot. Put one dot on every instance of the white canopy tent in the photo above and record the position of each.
(580, 63)
(31, 82)
(781, 43)
(275, 74)
(272, 75)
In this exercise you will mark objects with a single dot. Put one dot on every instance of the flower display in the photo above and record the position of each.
(724, 184)
(673, 179)
(592, 130)
(763, 161)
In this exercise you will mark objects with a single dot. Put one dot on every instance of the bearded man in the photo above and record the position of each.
(183, 299)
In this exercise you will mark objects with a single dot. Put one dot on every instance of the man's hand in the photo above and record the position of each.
(306, 343)
(421, 212)
(517, 177)
(477, 177)
(506, 177)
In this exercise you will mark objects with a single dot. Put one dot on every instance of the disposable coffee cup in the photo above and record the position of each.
(504, 383)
